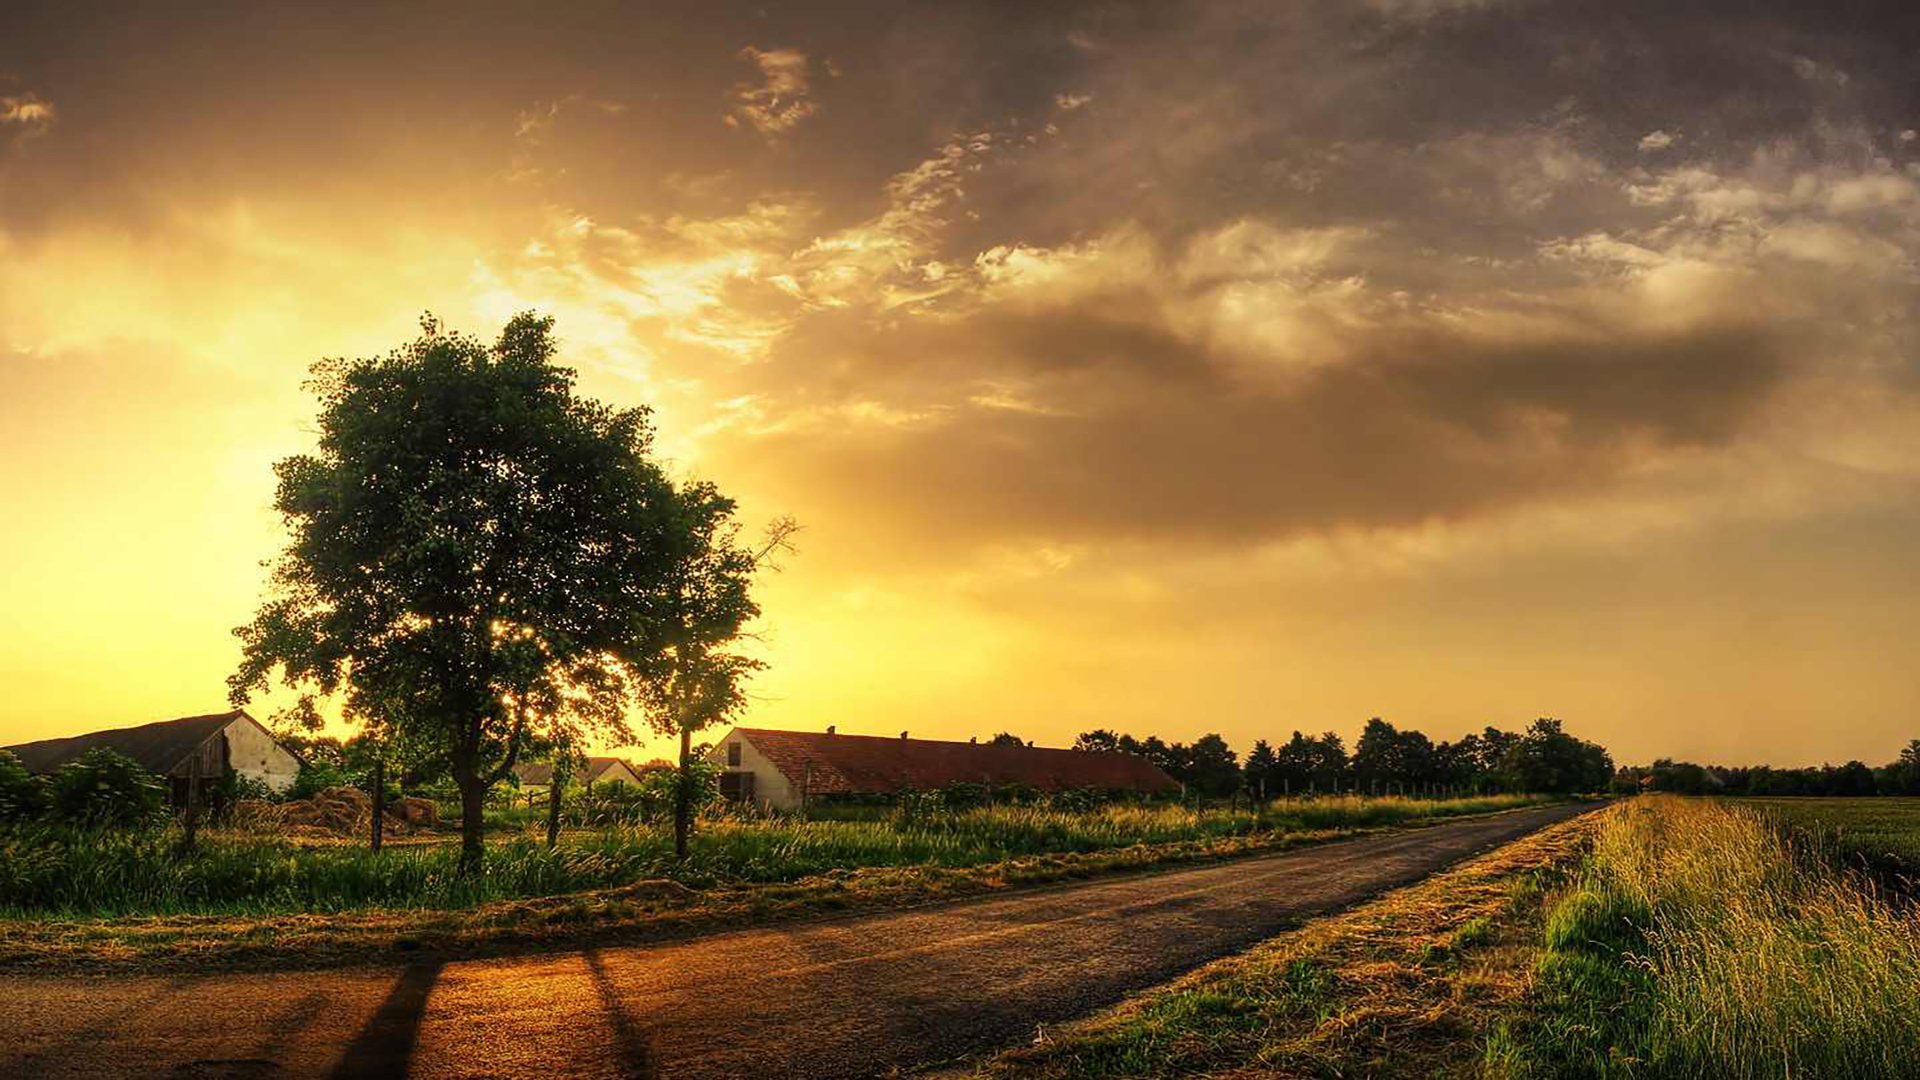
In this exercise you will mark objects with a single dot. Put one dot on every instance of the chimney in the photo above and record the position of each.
(903, 734)
(830, 729)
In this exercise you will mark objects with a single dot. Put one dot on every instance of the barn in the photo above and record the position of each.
(783, 769)
(202, 746)
(538, 775)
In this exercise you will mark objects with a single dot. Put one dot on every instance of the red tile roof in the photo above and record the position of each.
(864, 763)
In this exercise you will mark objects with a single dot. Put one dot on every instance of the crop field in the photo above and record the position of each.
(1878, 834)
(59, 872)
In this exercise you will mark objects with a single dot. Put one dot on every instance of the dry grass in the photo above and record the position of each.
(1413, 984)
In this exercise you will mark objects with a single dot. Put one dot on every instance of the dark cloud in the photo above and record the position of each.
(1128, 430)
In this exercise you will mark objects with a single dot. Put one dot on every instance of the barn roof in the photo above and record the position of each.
(540, 773)
(831, 764)
(157, 747)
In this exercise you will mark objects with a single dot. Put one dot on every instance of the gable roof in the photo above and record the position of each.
(540, 773)
(158, 747)
(831, 764)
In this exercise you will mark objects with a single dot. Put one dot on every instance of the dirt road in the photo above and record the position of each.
(829, 998)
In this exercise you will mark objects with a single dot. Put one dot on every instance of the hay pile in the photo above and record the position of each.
(417, 812)
(337, 809)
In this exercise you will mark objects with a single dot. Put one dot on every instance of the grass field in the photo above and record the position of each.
(1663, 937)
(63, 873)
(1882, 835)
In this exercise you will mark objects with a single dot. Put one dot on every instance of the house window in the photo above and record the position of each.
(736, 786)
(733, 754)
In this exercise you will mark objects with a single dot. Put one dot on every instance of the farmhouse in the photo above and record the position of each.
(782, 769)
(202, 746)
(598, 770)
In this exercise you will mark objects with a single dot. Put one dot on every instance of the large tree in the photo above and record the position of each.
(1547, 759)
(1212, 767)
(479, 556)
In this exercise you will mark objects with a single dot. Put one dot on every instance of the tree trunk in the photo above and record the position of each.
(683, 797)
(554, 783)
(379, 805)
(473, 803)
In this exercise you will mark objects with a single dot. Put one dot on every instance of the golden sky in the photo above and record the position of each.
(1174, 368)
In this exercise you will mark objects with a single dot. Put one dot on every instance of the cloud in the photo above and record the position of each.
(1208, 316)
(780, 101)
(1232, 392)
(25, 115)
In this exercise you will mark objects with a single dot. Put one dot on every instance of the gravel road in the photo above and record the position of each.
(832, 997)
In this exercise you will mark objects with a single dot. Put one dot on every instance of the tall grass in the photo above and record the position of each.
(1701, 941)
(68, 872)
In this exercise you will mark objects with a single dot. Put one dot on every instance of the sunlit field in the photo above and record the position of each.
(63, 872)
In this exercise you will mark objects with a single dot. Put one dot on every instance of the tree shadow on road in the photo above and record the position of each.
(385, 1045)
(635, 1043)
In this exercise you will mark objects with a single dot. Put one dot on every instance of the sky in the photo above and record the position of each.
(1171, 368)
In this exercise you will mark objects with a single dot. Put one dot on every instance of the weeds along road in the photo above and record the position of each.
(829, 998)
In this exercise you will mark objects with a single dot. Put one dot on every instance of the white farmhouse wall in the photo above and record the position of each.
(254, 754)
(770, 786)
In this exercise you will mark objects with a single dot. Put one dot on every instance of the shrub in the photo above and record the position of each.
(22, 795)
(235, 787)
(649, 802)
(104, 788)
(913, 808)
(317, 776)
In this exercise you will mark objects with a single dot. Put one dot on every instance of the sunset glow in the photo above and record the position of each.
(1167, 368)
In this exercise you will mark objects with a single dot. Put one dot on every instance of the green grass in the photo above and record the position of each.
(1877, 834)
(64, 873)
(1702, 940)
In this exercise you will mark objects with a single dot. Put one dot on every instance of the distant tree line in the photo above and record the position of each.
(1898, 777)
(1386, 760)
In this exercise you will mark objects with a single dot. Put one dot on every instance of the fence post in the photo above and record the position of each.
(378, 827)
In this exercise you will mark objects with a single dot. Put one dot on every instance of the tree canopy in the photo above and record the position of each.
(480, 557)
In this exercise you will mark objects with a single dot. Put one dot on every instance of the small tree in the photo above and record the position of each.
(479, 556)
(1904, 774)
(1263, 770)
(565, 760)
(699, 679)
